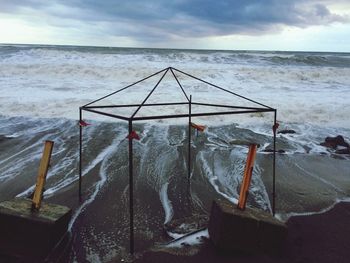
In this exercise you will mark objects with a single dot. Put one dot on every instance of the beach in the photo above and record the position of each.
(43, 88)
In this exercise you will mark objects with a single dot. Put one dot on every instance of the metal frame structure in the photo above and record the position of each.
(230, 110)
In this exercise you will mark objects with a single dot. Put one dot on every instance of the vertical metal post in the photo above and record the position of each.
(80, 150)
(274, 165)
(189, 138)
(131, 192)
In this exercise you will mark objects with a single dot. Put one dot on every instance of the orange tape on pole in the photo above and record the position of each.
(248, 171)
(198, 127)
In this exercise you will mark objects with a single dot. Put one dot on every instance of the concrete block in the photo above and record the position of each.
(24, 233)
(251, 230)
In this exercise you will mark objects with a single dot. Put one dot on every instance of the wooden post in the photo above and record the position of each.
(40, 183)
(248, 171)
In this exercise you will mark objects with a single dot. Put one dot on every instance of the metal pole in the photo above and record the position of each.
(115, 92)
(131, 192)
(274, 165)
(178, 82)
(189, 138)
(149, 94)
(80, 150)
(215, 86)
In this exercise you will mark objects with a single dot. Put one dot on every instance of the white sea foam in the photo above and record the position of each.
(213, 179)
(194, 239)
(225, 175)
(168, 209)
(315, 176)
(286, 216)
(311, 95)
(103, 157)
(54, 82)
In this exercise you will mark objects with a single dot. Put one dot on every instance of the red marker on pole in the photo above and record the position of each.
(83, 123)
(275, 127)
(133, 135)
(198, 127)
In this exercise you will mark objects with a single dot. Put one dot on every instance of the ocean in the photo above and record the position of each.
(42, 88)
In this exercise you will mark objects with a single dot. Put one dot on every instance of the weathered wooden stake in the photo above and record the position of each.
(248, 171)
(40, 183)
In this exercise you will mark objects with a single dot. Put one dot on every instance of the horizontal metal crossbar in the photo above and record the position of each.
(157, 117)
(136, 105)
(171, 104)
(225, 106)
(199, 114)
(106, 114)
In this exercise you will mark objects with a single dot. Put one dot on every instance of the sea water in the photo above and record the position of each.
(42, 88)
(52, 81)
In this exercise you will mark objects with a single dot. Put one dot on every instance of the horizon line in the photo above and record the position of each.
(167, 48)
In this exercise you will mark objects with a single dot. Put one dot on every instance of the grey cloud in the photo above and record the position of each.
(15, 6)
(186, 18)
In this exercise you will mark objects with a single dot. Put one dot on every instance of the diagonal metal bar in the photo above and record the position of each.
(144, 101)
(115, 92)
(215, 86)
(178, 82)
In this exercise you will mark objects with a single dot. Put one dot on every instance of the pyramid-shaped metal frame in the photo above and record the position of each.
(232, 109)
(229, 109)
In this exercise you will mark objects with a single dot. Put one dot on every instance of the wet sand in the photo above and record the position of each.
(321, 238)
(306, 182)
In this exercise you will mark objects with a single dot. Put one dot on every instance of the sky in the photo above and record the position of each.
(299, 25)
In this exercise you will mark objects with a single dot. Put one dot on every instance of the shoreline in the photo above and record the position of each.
(303, 184)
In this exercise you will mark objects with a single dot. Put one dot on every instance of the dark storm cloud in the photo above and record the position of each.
(243, 13)
(185, 18)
